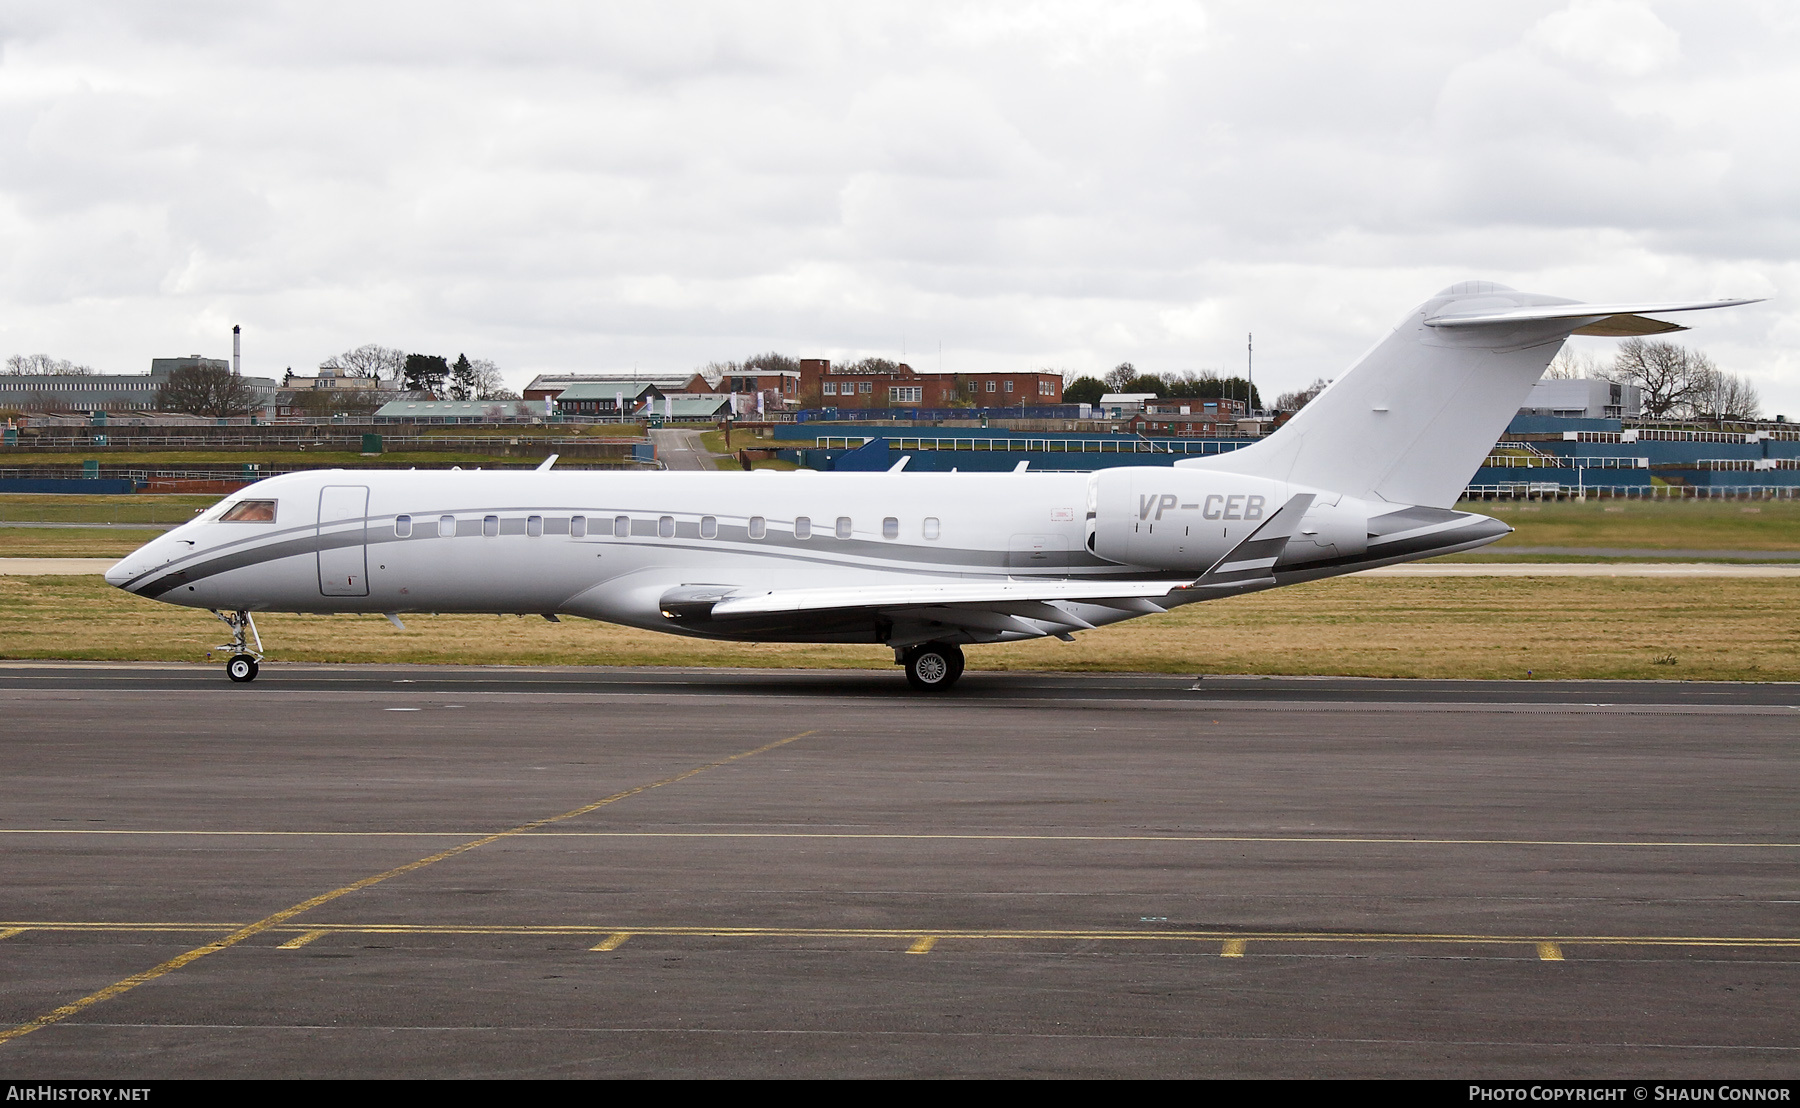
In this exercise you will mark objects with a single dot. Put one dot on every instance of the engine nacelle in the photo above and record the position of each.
(1176, 518)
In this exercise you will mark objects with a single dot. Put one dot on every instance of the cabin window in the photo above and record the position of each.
(534, 526)
(403, 527)
(931, 527)
(843, 527)
(665, 527)
(622, 526)
(578, 527)
(446, 527)
(490, 526)
(759, 527)
(890, 528)
(709, 527)
(250, 511)
(803, 527)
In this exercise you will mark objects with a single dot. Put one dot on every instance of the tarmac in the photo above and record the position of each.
(680, 449)
(377, 871)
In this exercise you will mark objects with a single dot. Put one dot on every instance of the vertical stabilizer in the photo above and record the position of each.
(1411, 422)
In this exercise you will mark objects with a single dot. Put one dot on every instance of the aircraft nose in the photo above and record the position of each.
(120, 573)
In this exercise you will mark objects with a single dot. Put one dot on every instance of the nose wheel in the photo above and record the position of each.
(244, 659)
(932, 666)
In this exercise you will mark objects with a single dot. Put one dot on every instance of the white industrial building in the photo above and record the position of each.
(1584, 398)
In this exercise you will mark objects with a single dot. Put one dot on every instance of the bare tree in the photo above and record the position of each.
(487, 382)
(368, 360)
(45, 365)
(1573, 365)
(205, 391)
(1722, 395)
(1117, 377)
(1300, 398)
(714, 372)
(1670, 376)
(771, 362)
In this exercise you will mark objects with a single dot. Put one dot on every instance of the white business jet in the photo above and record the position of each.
(1365, 475)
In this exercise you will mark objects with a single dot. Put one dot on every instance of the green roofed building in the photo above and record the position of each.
(460, 411)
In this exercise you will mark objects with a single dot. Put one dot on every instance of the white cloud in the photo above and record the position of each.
(1618, 37)
(564, 185)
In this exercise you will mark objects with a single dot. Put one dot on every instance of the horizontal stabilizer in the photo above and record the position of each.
(1627, 326)
(1545, 312)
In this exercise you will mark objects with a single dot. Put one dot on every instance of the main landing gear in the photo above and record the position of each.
(932, 666)
(245, 659)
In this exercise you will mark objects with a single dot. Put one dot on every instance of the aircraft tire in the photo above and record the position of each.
(241, 668)
(934, 666)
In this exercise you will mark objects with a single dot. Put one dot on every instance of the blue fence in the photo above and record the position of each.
(67, 484)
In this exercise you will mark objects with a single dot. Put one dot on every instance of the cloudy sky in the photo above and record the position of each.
(570, 186)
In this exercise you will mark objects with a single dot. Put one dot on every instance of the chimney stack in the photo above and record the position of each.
(236, 366)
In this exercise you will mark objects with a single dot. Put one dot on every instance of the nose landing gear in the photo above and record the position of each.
(932, 666)
(245, 660)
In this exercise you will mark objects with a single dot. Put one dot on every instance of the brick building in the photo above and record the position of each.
(777, 388)
(827, 386)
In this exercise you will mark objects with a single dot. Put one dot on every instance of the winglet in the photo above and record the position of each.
(548, 462)
(1251, 563)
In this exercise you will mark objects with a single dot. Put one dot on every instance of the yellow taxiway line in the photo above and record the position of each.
(1232, 944)
(277, 919)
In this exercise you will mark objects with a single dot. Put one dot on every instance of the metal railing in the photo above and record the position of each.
(1748, 465)
(1553, 461)
(101, 439)
(1551, 490)
(1023, 444)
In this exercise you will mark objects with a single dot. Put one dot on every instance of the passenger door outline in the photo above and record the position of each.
(343, 565)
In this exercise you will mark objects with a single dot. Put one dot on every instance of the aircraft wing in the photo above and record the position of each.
(981, 593)
(1011, 606)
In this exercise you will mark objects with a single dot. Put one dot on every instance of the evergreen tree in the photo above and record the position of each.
(1084, 390)
(426, 372)
(463, 385)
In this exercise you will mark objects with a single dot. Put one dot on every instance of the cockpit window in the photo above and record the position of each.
(250, 511)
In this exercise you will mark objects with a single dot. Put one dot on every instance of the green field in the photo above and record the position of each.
(726, 457)
(34, 507)
(1645, 524)
(1712, 629)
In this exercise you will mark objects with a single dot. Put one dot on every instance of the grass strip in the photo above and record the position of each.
(1712, 629)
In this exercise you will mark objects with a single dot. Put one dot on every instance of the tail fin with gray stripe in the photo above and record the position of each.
(1411, 422)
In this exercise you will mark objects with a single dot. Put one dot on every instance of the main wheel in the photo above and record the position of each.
(934, 666)
(241, 668)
